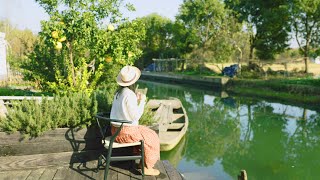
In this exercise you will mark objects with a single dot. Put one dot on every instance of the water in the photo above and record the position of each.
(269, 140)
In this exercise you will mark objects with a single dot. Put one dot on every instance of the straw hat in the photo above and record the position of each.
(128, 75)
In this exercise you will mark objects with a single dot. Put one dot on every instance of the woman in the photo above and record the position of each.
(129, 106)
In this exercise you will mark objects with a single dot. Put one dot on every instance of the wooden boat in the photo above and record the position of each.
(172, 121)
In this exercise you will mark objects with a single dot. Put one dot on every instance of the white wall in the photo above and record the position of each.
(3, 62)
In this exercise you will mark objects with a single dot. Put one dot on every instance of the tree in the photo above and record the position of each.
(77, 49)
(20, 43)
(214, 28)
(306, 24)
(267, 23)
(156, 43)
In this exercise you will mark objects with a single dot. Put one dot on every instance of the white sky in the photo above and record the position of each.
(28, 14)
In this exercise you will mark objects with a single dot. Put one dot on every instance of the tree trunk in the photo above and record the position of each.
(306, 63)
(251, 46)
(72, 64)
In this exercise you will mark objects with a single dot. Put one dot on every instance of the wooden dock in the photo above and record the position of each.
(66, 154)
(118, 171)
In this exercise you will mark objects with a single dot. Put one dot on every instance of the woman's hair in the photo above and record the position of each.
(131, 87)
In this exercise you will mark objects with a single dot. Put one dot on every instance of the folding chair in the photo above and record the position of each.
(109, 144)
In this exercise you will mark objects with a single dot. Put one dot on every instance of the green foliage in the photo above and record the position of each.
(306, 25)
(268, 23)
(215, 30)
(198, 70)
(35, 117)
(302, 81)
(77, 50)
(161, 39)
(147, 117)
(104, 96)
(288, 55)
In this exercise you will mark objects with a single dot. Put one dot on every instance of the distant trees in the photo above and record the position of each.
(20, 43)
(76, 49)
(157, 40)
(271, 23)
(214, 29)
(164, 39)
(202, 32)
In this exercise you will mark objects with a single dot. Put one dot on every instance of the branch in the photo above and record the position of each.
(295, 25)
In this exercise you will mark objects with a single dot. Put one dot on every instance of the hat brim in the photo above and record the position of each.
(135, 79)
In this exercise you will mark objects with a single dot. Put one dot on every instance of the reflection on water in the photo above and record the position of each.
(269, 140)
(176, 154)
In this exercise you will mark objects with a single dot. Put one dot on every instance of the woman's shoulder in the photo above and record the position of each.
(128, 91)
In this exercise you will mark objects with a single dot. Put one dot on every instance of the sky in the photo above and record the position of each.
(27, 14)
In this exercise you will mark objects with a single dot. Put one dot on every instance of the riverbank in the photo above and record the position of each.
(280, 90)
(300, 92)
(203, 81)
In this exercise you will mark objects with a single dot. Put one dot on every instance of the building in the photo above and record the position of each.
(3, 55)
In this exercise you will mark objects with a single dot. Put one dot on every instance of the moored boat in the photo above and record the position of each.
(172, 121)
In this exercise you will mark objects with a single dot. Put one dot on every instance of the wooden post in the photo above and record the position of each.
(243, 175)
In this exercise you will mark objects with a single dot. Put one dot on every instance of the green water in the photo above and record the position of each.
(269, 140)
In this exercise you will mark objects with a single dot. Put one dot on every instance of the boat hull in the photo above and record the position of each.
(172, 121)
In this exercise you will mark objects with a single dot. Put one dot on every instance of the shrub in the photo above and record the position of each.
(35, 117)
(147, 117)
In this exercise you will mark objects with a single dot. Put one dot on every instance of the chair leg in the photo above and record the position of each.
(142, 158)
(106, 170)
(108, 160)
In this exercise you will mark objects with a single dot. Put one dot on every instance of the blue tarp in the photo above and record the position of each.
(151, 67)
(230, 71)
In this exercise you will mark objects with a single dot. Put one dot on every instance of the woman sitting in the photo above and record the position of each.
(128, 105)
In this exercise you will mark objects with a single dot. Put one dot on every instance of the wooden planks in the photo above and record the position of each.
(163, 174)
(58, 140)
(171, 171)
(155, 103)
(121, 171)
(34, 161)
(176, 126)
(48, 174)
(70, 134)
(46, 160)
(172, 121)
(35, 174)
(177, 116)
(164, 116)
(14, 175)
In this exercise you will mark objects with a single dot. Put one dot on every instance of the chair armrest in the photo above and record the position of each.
(112, 120)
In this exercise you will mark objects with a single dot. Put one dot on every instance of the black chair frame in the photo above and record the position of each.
(108, 142)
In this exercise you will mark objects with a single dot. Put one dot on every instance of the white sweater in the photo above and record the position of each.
(125, 107)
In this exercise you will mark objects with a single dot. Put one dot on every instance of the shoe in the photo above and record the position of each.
(151, 172)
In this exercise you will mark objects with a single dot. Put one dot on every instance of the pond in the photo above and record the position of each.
(269, 140)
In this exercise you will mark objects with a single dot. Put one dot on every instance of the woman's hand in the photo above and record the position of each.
(141, 97)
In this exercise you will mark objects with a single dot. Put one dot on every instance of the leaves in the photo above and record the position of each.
(32, 117)
(268, 23)
(213, 28)
(74, 43)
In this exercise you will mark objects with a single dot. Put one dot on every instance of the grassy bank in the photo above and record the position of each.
(4, 91)
(298, 91)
